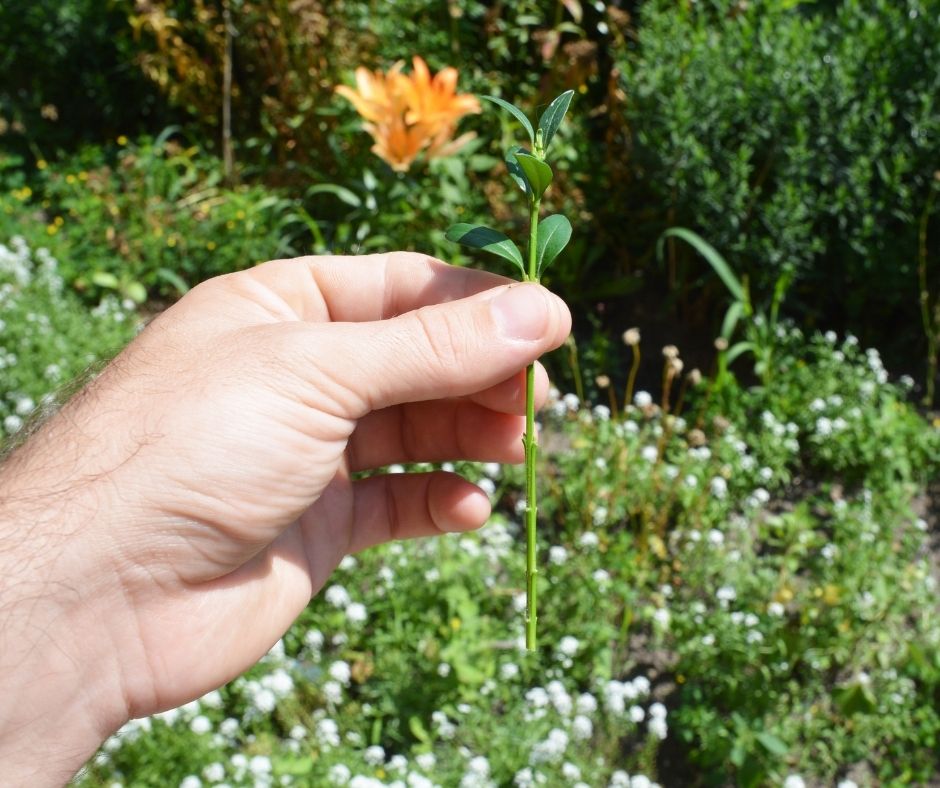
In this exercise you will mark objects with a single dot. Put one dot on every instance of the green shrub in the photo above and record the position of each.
(792, 135)
(149, 216)
(69, 75)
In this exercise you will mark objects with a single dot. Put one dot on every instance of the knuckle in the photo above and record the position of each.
(443, 339)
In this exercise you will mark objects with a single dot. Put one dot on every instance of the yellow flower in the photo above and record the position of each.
(122, 140)
(41, 164)
(407, 115)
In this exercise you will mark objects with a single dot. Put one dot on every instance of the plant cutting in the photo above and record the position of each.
(547, 237)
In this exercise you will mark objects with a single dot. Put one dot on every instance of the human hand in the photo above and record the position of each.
(185, 507)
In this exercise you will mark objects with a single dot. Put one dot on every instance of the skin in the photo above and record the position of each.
(163, 530)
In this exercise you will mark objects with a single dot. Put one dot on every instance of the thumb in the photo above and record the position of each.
(442, 350)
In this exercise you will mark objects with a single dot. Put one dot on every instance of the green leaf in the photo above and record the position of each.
(711, 255)
(732, 316)
(136, 291)
(554, 234)
(739, 349)
(341, 192)
(479, 236)
(369, 180)
(516, 112)
(515, 171)
(553, 116)
(855, 700)
(771, 743)
(174, 279)
(105, 279)
(537, 173)
(418, 730)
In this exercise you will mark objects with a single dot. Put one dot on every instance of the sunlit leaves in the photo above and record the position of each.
(537, 173)
(517, 113)
(553, 116)
(554, 234)
(478, 236)
(515, 171)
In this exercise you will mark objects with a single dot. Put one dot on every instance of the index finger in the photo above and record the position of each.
(365, 288)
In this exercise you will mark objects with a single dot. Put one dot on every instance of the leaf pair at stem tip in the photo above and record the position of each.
(533, 175)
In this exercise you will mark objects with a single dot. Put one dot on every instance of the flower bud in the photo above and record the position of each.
(631, 337)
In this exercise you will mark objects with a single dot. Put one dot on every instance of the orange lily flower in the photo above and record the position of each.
(408, 115)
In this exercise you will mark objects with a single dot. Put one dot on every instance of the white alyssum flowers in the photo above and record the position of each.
(444, 727)
(200, 725)
(508, 671)
(718, 487)
(726, 594)
(589, 539)
(374, 755)
(551, 749)
(568, 646)
(341, 672)
(582, 728)
(657, 722)
(337, 596)
(586, 703)
(557, 555)
(327, 733)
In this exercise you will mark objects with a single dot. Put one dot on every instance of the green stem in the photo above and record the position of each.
(531, 450)
(631, 379)
(930, 327)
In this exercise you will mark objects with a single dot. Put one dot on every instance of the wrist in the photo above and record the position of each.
(61, 690)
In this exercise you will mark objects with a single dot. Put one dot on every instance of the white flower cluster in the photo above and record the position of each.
(264, 694)
(337, 596)
(551, 749)
(620, 779)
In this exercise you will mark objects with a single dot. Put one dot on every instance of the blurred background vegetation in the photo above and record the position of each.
(798, 138)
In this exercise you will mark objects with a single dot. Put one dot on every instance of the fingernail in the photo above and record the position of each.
(521, 312)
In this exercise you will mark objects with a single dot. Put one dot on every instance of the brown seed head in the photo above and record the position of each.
(675, 365)
(696, 437)
(695, 377)
(602, 381)
(670, 352)
(721, 344)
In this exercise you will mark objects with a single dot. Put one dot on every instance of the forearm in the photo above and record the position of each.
(60, 682)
